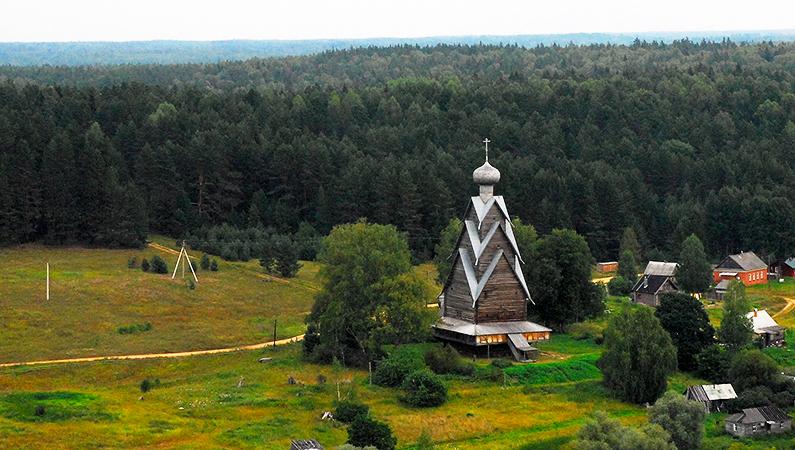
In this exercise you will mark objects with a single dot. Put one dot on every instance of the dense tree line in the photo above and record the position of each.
(671, 140)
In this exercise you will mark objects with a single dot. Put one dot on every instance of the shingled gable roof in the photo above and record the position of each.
(482, 208)
(666, 269)
(650, 284)
(476, 286)
(479, 246)
(743, 261)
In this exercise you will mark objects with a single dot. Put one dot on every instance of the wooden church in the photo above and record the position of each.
(485, 297)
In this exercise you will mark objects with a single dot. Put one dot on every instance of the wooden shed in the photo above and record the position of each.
(713, 396)
(485, 298)
(767, 330)
(607, 266)
(758, 421)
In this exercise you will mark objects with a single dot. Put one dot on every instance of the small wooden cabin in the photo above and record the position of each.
(658, 278)
(767, 330)
(485, 298)
(758, 421)
(713, 396)
(607, 266)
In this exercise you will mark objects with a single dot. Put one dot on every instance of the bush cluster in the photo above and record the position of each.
(423, 388)
(348, 410)
(446, 360)
(136, 328)
(619, 286)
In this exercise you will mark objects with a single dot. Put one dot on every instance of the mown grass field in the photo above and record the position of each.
(93, 294)
(231, 400)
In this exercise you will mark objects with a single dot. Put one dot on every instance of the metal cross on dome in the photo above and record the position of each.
(486, 141)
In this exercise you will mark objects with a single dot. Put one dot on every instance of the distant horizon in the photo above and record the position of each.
(679, 34)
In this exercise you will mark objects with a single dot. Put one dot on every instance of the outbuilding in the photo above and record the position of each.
(713, 396)
(767, 330)
(756, 421)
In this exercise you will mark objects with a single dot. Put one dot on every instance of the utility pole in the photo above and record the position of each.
(274, 333)
(48, 281)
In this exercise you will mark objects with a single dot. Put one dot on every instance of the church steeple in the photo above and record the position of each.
(486, 176)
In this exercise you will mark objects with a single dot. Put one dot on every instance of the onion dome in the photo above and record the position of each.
(486, 175)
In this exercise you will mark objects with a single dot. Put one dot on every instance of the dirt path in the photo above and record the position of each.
(785, 310)
(158, 355)
(163, 248)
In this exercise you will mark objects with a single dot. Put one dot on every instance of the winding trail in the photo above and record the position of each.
(215, 351)
(785, 310)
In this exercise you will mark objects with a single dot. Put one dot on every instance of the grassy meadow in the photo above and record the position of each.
(233, 401)
(93, 294)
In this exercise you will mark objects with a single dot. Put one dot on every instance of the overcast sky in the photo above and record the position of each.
(122, 20)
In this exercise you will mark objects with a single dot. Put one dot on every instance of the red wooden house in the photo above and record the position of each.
(744, 266)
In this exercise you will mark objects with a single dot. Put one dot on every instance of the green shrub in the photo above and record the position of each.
(585, 330)
(365, 431)
(501, 363)
(145, 265)
(391, 372)
(39, 411)
(136, 328)
(423, 388)
(147, 384)
(191, 284)
(446, 360)
(619, 286)
(159, 265)
(204, 263)
(214, 265)
(348, 410)
(132, 263)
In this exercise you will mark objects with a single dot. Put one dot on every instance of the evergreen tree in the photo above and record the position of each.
(204, 263)
(628, 267)
(684, 318)
(629, 243)
(638, 356)
(736, 330)
(443, 252)
(694, 273)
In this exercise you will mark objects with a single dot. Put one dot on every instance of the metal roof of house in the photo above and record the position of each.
(759, 415)
(723, 285)
(790, 262)
(761, 321)
(666, 269)
(712, 392)
(488, 328)
(744, 261)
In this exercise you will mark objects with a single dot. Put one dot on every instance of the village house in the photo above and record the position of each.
(485, 297)
(744, 266)
(658, 278)
(713, 396)
(756, 421)
(784, 267)
(769, 333)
